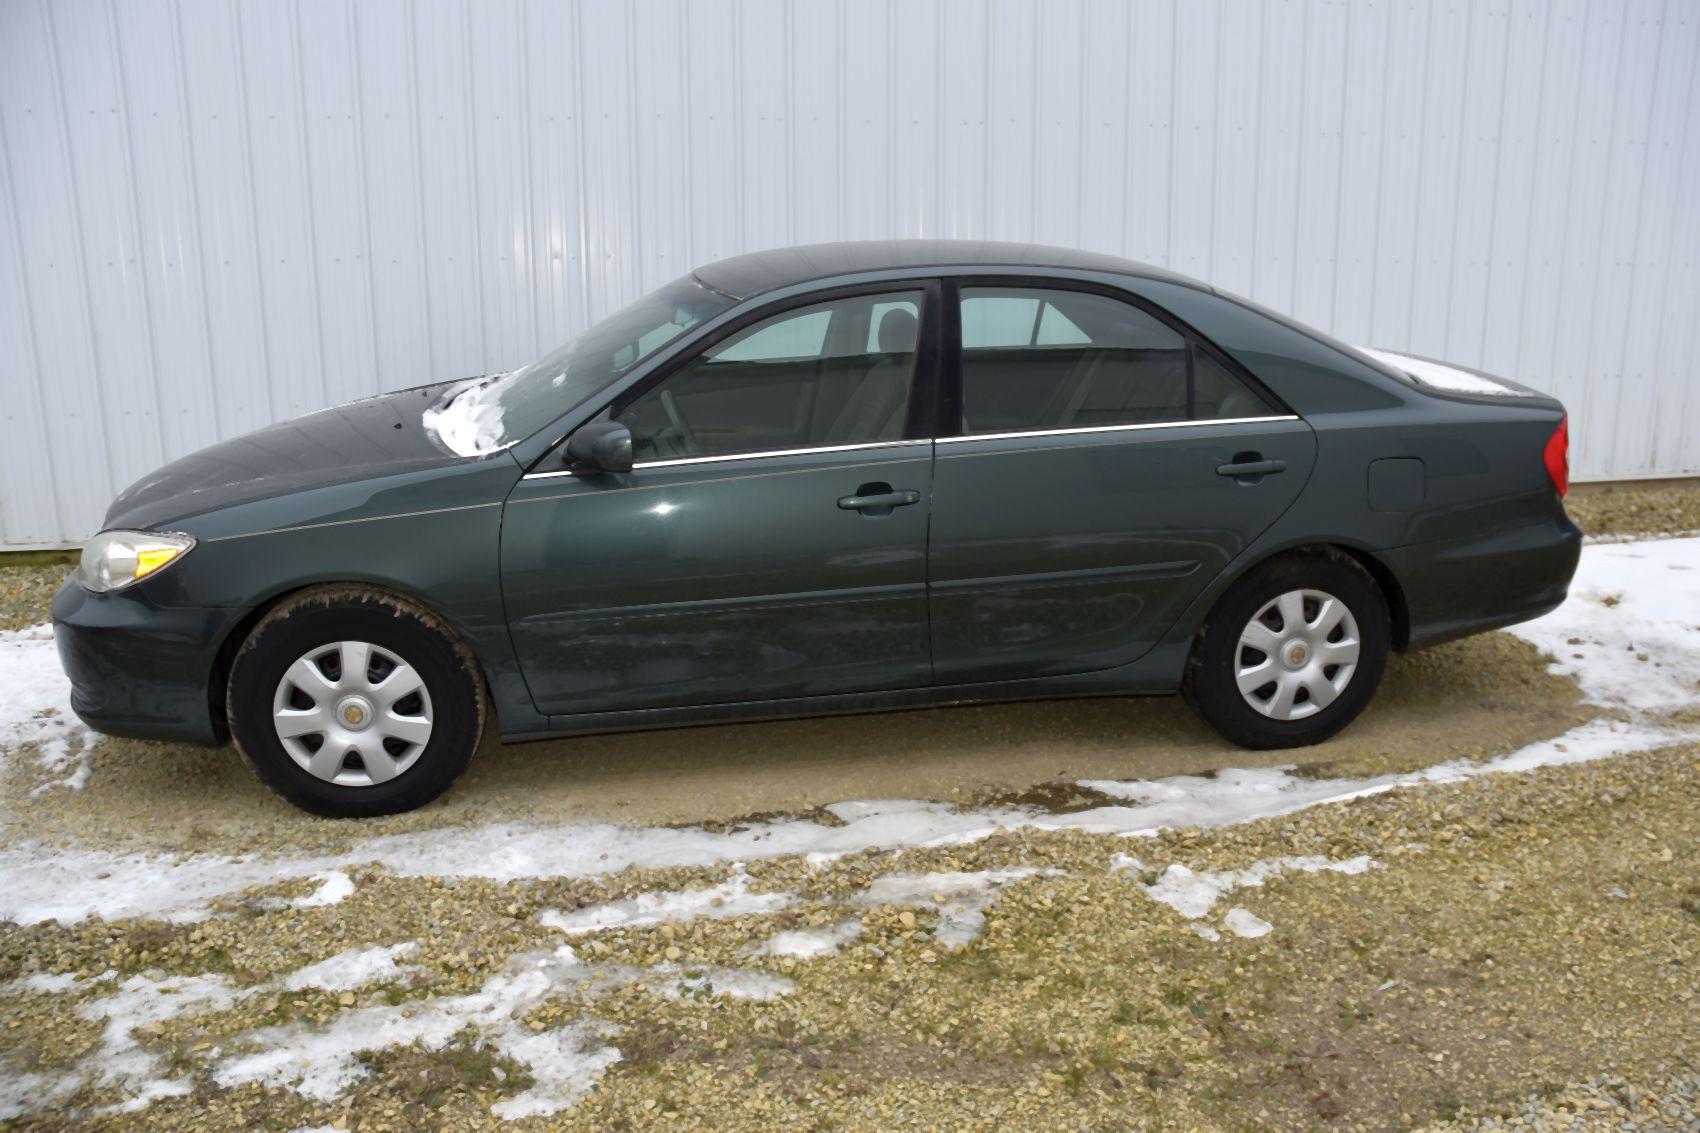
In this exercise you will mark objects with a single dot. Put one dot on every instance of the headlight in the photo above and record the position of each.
(113, 560)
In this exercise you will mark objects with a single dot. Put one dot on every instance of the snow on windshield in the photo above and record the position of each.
(469, 418)
(1447, 378)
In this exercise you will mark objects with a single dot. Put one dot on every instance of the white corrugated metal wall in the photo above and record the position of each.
(218, 213)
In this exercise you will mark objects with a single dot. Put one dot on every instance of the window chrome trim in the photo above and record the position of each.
(1188, 424)
(687, 460)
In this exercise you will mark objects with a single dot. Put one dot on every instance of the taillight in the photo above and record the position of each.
(1557, 456)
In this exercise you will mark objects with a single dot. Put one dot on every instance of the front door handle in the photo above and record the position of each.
(1251, 467)
(879, 499)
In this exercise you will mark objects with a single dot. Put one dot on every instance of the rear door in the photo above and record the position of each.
(770, 540)
(1105, 466)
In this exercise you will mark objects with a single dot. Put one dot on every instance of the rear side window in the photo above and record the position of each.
(1039, 359)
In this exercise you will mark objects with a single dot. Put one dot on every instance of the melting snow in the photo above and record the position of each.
(731, 898)
(468, 418)
(322, 1062)
(1193, 895)
(352, 968)
(734, 983)
(120, 1063)
(810, 943)
(334, 886)
(35, 706)
(1241, 923)
(961, 899)
(1441, 376)
(1630, 633)
(37, 884)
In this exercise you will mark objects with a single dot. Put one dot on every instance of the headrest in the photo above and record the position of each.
(897, 331)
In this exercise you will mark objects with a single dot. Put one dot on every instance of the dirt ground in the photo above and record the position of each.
(1510, 950)
(158, 796)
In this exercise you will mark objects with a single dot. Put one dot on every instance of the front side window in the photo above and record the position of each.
(1038, 359)
(833, 373)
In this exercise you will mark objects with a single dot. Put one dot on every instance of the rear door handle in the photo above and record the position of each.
(886, 500)
(1251, 468)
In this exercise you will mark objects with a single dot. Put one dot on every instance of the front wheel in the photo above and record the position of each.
(1291, 653)
(350, 703)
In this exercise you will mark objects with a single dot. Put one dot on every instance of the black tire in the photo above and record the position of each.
(324, 617)
(1210, 684)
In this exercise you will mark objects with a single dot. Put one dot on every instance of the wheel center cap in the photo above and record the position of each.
(1295, 654)
(354, 713)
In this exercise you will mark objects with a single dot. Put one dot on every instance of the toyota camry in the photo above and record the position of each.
(843, 478)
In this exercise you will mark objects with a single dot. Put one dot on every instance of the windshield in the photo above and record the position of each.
(486, 414)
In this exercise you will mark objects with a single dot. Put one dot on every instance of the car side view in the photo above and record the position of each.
(840, 478)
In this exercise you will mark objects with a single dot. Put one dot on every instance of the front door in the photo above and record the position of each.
(1106, 468)
(771, 539)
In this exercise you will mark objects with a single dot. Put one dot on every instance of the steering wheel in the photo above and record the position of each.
(670, 405)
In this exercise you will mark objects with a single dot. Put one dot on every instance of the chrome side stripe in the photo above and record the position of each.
(1084, 431)
(1193, 424)
(682, 461)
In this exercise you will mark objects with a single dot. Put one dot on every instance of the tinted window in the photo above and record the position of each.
(833, 373)
(1041, 359)
(1218, 393)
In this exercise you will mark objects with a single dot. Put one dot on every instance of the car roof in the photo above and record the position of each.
(743, 277)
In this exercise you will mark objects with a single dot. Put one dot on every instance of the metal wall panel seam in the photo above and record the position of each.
(28, 328)
(196, 213)
(70, 168)
(310, 210)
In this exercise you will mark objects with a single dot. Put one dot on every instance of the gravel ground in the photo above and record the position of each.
(1511, 951)
(1605, 510)
(26, 592)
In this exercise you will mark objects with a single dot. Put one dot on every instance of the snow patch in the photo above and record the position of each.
(119, 1063)
(733, 983)
(1629, 634)
(960, 899)
(1193, 895)
(812, 943)
(1242, 923)
(42, 983)
(468, 418)
(1441, 376)
(334, 887)
(731, 898)
(323, 1062)
(352, 968)
(37, 883)
(35, 707)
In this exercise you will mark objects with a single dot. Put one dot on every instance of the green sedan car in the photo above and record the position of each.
(842, 478)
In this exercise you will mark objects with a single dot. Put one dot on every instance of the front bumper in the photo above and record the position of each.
(138, 669)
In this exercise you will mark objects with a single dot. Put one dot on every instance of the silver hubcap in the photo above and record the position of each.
(1297, 654)
(352, 714)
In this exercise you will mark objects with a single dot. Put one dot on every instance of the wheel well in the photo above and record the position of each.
(1398, 614)
(219, 683)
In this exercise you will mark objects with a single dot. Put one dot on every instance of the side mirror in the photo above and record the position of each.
(601, 446)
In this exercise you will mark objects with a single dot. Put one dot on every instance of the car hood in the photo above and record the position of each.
(376, 436)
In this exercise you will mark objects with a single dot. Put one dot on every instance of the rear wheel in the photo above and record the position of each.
(350, 703)
(1292, 653)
